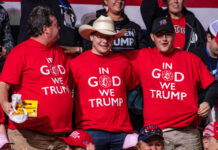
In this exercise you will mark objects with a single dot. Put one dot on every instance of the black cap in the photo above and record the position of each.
(162, 23)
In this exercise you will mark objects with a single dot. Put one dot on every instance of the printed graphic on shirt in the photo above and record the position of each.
(127, 40)
(55, 72)
(167, 90)
(179, 29)
(106, 84)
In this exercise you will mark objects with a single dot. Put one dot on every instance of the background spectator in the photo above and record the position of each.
(6, 39)
(150, 138)
(209, 55)
(210, 136)
(79, 140)
(130, 142)
(189, 33)
(134, 38)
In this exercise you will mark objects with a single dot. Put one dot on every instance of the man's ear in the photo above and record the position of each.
(209, 38)
(152, 36)
(205, 141)
(45, 29)
(105, 1)
(91, 37)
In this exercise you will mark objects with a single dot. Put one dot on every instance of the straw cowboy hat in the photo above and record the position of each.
(104, 25)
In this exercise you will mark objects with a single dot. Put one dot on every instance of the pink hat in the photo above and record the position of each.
(211, 130)
(78, 138)
(3, 140)
(130, 140)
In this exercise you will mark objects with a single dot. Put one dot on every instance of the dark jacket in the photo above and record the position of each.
(6, 39)
(201, 52)
(133, 39)
(194, 31)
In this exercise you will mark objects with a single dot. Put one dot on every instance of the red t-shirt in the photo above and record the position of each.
(169, 86)
(2, 117)
(41, 73)
(179, 28)
(100, 84)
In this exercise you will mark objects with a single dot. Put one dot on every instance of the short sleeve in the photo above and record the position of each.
(203, 75)
(13, 67)
(2, 117)
(132, 78)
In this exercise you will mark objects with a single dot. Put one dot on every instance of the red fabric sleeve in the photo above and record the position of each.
(13, 67)
(132, 78)
(2, 117)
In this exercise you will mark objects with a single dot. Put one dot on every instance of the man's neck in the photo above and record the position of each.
(169, 52)
(212, 55)
(100, 54)
(176, 15)
(115, 17)
(41, 40)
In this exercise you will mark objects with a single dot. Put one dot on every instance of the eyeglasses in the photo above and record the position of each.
(161, 34)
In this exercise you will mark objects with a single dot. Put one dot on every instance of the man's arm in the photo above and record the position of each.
(6, 106)
(143, 38)
(149, 11)
(210, 98)
(72, 50)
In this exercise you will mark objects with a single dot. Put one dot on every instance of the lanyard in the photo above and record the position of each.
(63, 4)
(211, 70)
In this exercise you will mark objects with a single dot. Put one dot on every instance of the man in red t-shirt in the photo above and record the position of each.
(38, 70)
(169, 79)
(101, 79)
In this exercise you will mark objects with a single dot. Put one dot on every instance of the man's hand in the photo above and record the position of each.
(72, 50)
(90, 146)
(3, 54)
(7, 107)
(204, 109)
